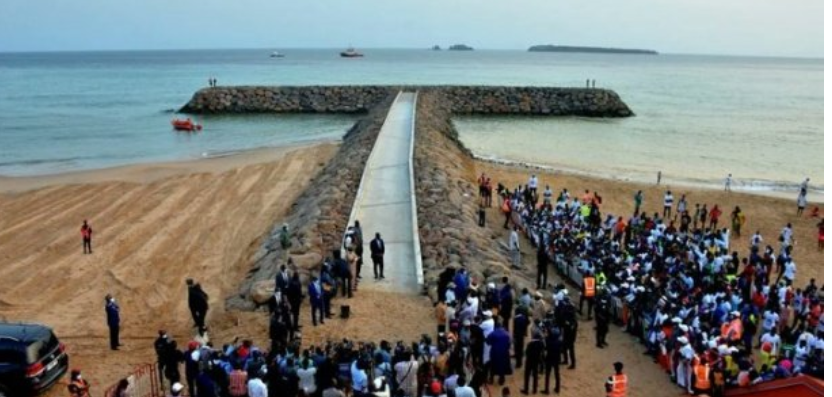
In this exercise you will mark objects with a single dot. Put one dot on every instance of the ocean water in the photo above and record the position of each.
(698, 117)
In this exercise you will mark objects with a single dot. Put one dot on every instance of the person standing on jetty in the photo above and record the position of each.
(358, 244)
(377, 255)
(86, 237)
(113, 320)
(198, 304)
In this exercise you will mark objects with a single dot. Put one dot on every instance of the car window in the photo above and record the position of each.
(10, 356)
(41, 348)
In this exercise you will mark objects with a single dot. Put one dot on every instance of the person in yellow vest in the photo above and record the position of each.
(78, 386)
(587, 294)
(617, 384)
(701, 378)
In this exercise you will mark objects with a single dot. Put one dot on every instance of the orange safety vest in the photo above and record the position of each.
(732, 331)
(702, 374)
(619, 386)
(79, 388)
(589, 287)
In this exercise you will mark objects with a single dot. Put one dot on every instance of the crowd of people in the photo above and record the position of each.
(712, 317)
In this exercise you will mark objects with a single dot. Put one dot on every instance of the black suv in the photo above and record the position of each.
(31, 359)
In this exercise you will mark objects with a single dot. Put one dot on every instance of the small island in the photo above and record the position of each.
(437, 48)
(592, 50)
(460, 47)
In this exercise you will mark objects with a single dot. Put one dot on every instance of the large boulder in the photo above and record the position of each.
(307, 261)
(262, 291)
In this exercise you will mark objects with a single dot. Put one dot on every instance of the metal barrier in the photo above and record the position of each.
(143, 382)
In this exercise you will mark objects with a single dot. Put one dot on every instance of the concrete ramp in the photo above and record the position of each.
(385, 203)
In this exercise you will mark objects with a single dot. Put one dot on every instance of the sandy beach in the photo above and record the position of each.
(154, 226)
(157, 224)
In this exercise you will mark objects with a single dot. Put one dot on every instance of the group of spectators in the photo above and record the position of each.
(712, 317)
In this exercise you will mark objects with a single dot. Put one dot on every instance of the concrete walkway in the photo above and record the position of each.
(385, 203)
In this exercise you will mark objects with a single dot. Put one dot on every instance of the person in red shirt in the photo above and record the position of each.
(715, 214)
(86, 235)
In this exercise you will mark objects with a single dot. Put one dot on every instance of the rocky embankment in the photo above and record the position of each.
(318, 217)
(300, 99)
(545, 101)
(447, 203)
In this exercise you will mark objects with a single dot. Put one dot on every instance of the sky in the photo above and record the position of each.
(724, 27)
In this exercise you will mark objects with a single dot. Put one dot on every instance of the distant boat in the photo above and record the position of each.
(185, 125)
(437, 48)
(351, 53)
(277, 55)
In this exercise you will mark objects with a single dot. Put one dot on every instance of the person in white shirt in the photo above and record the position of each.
(533, 184)
(547, 195)
(306, 377)
(790, 272)
(463, 390)
(256, 388)
(805, 185)
(770, 320)
(728, 182)
(668, 205)
(487, 327)
(773, 338)
(514, 247)
(802, 201)
(756, 239)
(787, 234)
(682, 205)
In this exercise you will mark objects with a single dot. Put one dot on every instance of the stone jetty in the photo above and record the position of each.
(443, 169)
(545, 101)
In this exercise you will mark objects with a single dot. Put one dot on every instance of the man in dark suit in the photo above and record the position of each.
(113, 320)
(377, 254)
(281, 281)
(316, 300)
(198, 303)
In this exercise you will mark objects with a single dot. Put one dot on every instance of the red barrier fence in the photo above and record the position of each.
(143, 382)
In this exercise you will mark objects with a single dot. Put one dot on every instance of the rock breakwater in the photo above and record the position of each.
(317, 219)
(545, 101)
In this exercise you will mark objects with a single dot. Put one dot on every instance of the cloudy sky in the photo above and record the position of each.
(743, 27)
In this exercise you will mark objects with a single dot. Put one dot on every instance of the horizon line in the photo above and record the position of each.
(660, 53)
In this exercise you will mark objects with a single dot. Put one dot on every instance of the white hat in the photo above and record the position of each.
(177, 387)
(733, 349)
(466, 323)
(684, 328)
(723, 350)
(683, 340)
(538, 294)
(487, 313)
(735, 313)
(492, 286)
